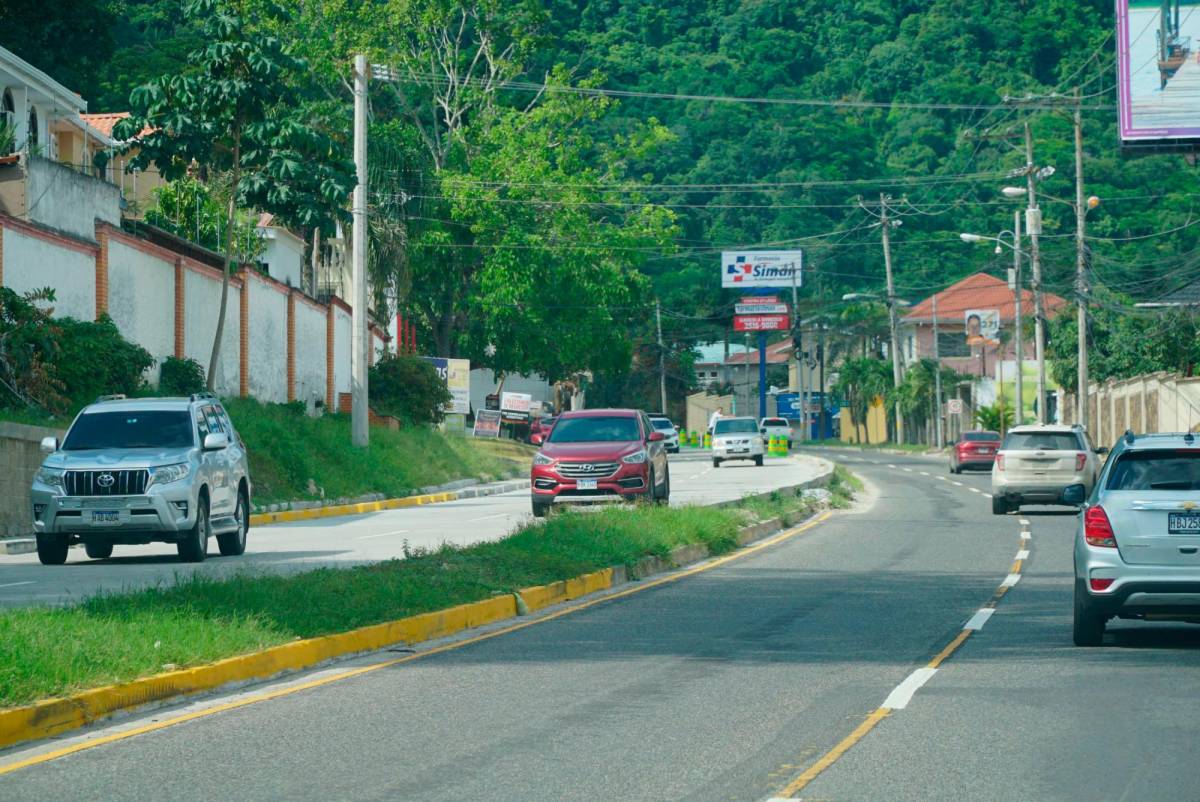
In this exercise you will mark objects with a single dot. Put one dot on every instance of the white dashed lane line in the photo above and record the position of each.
(980, 618)
(1010, 580)
(1023, 554)
(899, 698)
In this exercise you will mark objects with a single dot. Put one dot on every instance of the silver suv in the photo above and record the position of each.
(1137, 551)
(1038, 462)
(170, 470)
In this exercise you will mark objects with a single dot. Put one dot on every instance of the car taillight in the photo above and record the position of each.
(1098, 583)
(999, 462)
(1080, 461)
(1097, 531)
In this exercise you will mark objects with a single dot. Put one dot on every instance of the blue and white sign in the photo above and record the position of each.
(746, 270)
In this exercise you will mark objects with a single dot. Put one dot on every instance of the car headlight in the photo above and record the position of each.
(635, 458)
(50, 476)
(165, 474)
(541, 459)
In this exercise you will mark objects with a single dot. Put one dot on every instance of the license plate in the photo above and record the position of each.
(586, 484)
(739, 451)
(1183, 523)
(106, 517)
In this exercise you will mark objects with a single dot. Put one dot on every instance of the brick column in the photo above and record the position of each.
(329, 344)
(180, 323)
(291, 346)
(102, 272)
(244, 341)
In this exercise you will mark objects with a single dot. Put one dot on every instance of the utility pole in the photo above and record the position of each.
(360, 431)
(937, 374)
(662, 359)
(798, 359)
(1017, 333)
(1033, 224)
(897, 373)
(1081, 288)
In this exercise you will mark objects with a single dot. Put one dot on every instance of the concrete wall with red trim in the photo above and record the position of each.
(341, 351)
(32, 262)
(268, 341)
(310, 353)
(141, 300)
(202, 304)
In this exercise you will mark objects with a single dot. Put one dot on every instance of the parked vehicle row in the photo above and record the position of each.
(170, 470)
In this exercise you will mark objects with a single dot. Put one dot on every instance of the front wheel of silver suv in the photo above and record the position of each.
(194, 546)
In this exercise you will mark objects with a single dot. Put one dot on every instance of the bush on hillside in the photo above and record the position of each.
(94, 360)
(180, 376)
(408, 388)
(28, 352)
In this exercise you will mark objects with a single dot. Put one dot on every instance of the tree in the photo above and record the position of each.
(861, 382)
(230, 110)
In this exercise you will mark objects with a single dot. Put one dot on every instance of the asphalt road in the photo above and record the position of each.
(728, 684)
(360, 538)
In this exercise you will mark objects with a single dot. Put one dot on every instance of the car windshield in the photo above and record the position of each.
(736, 426)
(134, 429)
(662, 423)
(1160, 469)
(774, 422)
(595, 429)
(980, 436)
(1041, 441)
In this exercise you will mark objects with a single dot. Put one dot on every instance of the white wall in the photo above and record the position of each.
(483, 383)
(31, 263)
(268, 342)
(141, 300)
(341, 352)
(283, 255)
(202, 304)
(310, 354)
(59, 197)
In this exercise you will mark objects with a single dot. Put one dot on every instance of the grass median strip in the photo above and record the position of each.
(46, 652)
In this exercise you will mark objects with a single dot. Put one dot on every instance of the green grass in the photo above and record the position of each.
(118, 637)
(915, 448)
(288, 449)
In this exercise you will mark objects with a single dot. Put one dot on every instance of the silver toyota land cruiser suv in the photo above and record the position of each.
(168, 470)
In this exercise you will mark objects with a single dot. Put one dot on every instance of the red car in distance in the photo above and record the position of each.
(600, 455)
(540, 428)
(974, 450)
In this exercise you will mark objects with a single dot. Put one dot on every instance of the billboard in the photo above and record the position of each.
(487, 423)
(456, 373)
(761, 323)
(515, 407)
(1158, 76)
(749, 269)
(982, 325)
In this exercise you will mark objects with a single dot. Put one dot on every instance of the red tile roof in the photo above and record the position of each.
(979, 291)
(104, 123)
(777, 354)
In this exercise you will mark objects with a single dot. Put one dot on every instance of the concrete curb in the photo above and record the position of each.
(18, 545)
(51, 717)
(335, 510)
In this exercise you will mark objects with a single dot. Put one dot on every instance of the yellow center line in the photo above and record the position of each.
(278, 693)
(861, 731)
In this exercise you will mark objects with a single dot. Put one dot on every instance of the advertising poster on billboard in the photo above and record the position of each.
(456, 373)
(515, 407)
(487, 423)
(983, 326)
(744, 270)
(1158, 75)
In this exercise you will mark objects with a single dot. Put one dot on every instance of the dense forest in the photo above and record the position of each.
(734, 123)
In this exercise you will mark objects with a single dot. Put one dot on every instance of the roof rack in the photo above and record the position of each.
(113, 397)
(203, 394)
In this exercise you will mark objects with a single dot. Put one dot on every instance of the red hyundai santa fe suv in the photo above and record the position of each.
(600, 455)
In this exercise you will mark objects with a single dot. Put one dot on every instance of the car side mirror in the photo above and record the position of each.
(1074, 494)
(215, 441)
(656, 437)
(1102, 450)
(536, 439)
(763, 430)
(49, 445)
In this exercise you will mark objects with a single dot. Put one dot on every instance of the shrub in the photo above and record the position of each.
(180, 376)
(94, 360)
(409, 388)
(28, 352)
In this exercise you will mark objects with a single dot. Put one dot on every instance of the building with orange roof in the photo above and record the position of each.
(978, 291)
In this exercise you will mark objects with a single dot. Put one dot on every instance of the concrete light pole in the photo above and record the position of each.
(893, 323)
(359, 428)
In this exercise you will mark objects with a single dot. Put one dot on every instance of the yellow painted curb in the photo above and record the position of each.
(53, 716)
(285, 516)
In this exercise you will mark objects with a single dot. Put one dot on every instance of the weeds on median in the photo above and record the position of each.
(199, 619)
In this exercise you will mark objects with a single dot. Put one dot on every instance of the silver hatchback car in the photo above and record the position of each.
(170, 470)
(1137, 551)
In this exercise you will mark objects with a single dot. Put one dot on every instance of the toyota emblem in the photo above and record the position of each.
(105, 480)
